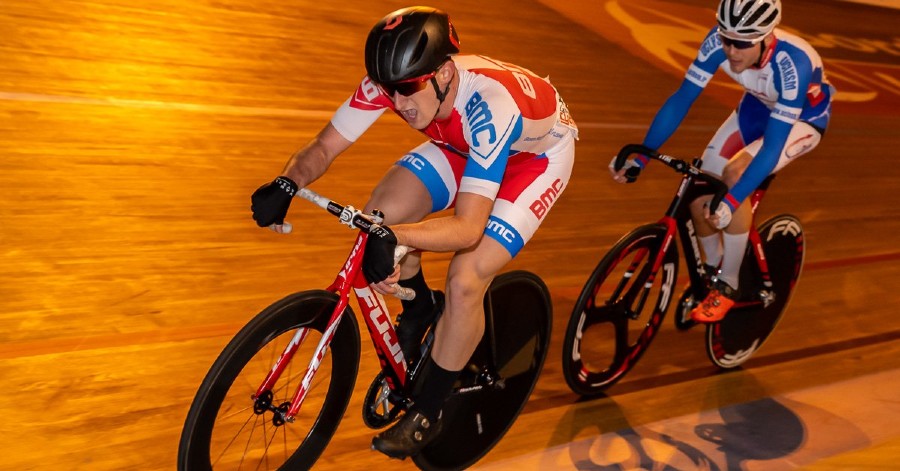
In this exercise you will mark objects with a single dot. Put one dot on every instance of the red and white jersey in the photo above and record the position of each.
(500, 110)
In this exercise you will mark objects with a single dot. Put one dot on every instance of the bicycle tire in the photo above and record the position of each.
(475, 419)
(609, 329)
(222, 430)
(731, 342)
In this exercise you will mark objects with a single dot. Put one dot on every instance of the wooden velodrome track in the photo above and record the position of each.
(132, 134)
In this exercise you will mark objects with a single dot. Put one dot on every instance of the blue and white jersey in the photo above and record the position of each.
(790, 81)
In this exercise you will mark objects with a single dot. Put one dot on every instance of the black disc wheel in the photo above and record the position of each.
(501, 374)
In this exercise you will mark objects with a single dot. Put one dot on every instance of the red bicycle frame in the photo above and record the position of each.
(372, 306)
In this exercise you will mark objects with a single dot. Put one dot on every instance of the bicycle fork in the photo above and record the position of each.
(287, 411)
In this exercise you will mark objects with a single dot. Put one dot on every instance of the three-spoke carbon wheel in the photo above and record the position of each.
(619, 311)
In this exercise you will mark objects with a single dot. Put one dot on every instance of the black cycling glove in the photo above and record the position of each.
(271, 201)
(632, 169)
(632, 174)
(378, 261)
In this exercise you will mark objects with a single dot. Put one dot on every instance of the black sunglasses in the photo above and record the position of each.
(736, 43)
(407, 87)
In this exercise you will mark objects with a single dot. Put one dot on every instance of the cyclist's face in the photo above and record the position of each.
(423, 106)
(419, 108)
(742, 58)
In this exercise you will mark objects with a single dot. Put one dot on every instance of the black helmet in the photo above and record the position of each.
(409, 43)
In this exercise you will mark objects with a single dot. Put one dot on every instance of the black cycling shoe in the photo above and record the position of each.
(408, 436)
(411, 328)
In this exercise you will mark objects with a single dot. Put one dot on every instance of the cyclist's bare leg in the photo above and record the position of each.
(462, 325)
(737, 232)
(742, 216)
(404, 199)
(709, 237)
(735, 242)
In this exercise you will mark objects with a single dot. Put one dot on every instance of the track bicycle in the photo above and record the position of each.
(274, 397)
(623, 303)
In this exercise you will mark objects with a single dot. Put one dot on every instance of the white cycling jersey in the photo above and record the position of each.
(508, 138)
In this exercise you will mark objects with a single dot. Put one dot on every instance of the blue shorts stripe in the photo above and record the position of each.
(422, 168)
(505, 234)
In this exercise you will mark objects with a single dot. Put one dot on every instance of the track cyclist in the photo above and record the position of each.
(500, 152)
(782, 115)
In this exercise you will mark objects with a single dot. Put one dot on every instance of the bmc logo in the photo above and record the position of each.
(541, 205)
(498, 228)
(479, 117)
(414, 160)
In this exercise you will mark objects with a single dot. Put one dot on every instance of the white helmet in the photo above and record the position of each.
(748, 20)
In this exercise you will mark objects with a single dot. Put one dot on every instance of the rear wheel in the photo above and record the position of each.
(227, 428)
(494, 388)
(619, 311)
(747, 326)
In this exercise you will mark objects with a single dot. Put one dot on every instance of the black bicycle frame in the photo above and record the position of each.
(695, 184)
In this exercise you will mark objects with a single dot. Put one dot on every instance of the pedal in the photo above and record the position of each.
(767, 297)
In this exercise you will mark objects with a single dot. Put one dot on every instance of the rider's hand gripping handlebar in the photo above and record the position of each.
(356, 219)
(679, 166)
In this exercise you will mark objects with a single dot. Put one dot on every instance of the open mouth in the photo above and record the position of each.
(409, 115)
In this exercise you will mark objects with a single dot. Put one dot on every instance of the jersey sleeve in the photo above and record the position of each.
(490, 126)
(362, 109)
(793, 73)
(709, 58)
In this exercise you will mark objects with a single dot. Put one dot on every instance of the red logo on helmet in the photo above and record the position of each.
(395, 21)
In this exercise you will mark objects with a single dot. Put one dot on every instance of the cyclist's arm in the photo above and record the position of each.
(709, 58)
(792, 79)
(452, 233)
(349, 122)
(497, 125)
(670, 116)
(311, 162)
(762, 164)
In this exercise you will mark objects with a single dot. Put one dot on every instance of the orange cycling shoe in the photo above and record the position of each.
(716, 305)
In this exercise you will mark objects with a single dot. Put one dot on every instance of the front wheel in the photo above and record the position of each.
(228, 428)
(747, 326)
(491, 392)
(619, 311)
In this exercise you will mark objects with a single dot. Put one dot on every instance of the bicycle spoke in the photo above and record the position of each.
(233, 439)
(228, 428)
(249, 441)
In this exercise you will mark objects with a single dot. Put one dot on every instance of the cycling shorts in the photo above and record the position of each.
(743, 131)
(531, 185)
